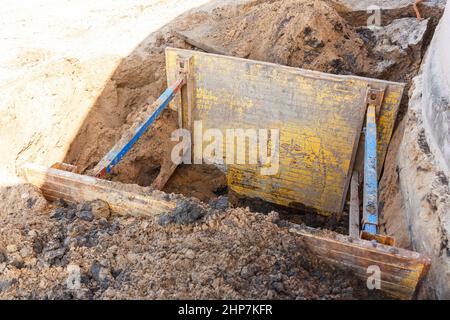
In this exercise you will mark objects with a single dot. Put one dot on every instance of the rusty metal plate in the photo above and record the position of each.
(319, 117)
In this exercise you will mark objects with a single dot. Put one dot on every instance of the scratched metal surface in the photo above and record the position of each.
(319, 116)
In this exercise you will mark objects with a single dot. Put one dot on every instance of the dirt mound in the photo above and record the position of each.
(81, 252)
(307, 34)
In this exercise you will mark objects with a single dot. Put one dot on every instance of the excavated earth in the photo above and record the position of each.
(46, 250)
(221, 252)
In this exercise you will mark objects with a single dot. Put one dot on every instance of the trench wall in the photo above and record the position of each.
(424, 161)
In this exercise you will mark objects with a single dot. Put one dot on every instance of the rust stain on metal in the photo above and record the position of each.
(319, 116)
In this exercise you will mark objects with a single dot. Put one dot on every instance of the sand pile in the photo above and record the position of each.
(307, 34)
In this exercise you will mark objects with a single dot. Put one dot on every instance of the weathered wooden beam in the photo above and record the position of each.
(164, 176)
(166, 172)
(354, 207)
(401, 270)
(72, 187)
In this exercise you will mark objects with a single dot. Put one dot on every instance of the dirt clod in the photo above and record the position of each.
(100, 209)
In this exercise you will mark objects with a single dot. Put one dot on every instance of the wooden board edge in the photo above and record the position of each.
(198, 44)
(407, 260)
(86, 188)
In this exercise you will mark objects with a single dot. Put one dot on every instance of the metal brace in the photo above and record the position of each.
(375, 97)
(374, 100)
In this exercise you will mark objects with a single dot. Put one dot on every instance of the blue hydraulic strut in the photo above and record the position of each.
(370, 204)
(132, 135)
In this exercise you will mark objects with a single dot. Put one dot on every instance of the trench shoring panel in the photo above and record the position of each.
(319, 117)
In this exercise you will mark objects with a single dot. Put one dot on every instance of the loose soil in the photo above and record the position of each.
(81, 252)
(304, 34)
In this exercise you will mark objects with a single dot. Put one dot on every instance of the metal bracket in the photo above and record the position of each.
(366, 222)
(375, 97)
(383, 239)
(184, 65)
(370, 222)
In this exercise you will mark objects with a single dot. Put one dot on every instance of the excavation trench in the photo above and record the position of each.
(301, 34)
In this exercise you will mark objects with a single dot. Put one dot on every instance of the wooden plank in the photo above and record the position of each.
(184, 116)
(391, 289)
(390, 271)
(319, 117)
(137, 129)
(190, 38)
(401, 270)
(74, 187)
(354, 207)
(164, 176)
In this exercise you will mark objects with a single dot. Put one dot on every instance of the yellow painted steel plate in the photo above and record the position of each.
(320, 118)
